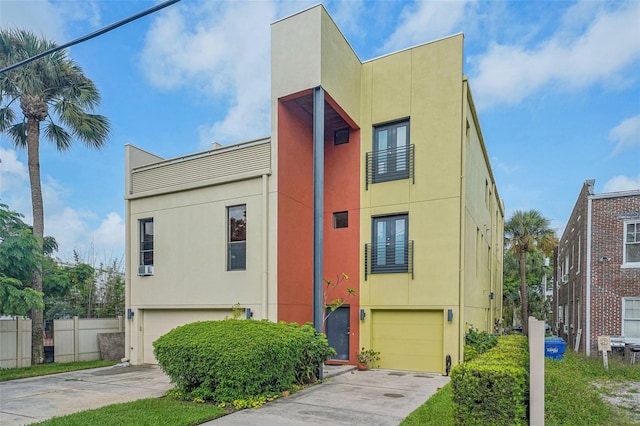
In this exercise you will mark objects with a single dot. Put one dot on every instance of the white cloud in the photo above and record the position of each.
(72, 228)
(425, 20)
(47, 18)
(505, 168)
(622, 183)
(609, 44)
(221, 50)
(625, 135)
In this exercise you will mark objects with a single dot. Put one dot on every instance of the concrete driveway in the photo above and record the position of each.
(32, 400)
(346, 397)
(374, 397)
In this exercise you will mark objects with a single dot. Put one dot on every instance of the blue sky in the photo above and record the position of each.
(556, 84)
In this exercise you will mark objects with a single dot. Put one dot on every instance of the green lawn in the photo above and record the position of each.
(143, 412)
(571, 399)
(46, 369)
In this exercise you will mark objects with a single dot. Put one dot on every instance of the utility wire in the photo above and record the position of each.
(92, 35)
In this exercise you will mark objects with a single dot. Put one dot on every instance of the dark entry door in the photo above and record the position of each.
(337, 327)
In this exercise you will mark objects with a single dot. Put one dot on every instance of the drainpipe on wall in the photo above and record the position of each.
(265, 246)
(588, 283)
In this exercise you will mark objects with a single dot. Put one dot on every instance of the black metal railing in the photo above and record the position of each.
(388, 258)
(390, 164)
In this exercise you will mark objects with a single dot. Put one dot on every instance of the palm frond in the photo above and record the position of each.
(7, 117)
(58, 135)
(18, 134)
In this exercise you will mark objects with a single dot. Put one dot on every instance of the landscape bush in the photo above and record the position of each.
(233, 360)
(477, 343)
(493, 388)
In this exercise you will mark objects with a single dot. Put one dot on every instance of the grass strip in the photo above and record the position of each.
(437, 411)
(143, 412)
(53, 368)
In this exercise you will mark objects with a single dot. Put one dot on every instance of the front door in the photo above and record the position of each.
(337, 327)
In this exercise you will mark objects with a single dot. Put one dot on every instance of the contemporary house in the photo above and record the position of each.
(597, 277)
(376, 169)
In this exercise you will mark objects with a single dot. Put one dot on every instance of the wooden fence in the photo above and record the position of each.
(73, 339)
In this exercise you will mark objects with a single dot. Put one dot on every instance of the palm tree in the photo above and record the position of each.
(53, 91)
(524, 233)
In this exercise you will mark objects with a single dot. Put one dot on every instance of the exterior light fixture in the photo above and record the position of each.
(450, 315)
(362, 314)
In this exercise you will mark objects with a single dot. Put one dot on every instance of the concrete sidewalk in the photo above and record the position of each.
(346, 397)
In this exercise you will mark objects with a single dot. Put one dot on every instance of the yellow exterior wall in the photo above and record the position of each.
(484, 230)
(423, 84)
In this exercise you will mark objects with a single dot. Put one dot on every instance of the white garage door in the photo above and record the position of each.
(408, 340)
(158, 322)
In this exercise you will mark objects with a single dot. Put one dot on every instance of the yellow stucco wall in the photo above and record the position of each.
(484, 230)
(423, 84)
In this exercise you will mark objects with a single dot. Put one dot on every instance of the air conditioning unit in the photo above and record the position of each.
(145, 270)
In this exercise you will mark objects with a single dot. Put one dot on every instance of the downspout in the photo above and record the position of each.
(461, 245)
(265, 246)
(588, 277)
(127, 256)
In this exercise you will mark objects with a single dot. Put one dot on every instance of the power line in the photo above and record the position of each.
(92, 35)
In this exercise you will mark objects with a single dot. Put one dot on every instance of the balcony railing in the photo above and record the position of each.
(388, 258)
(390, 164)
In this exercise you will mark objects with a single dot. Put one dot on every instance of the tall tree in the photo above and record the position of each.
(524, 233)
(53, 92)
(18, 257)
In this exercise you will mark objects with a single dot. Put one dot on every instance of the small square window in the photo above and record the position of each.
(340, 220)
(341, 136)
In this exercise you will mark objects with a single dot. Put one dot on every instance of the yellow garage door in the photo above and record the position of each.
(160, 321)
(408, 340)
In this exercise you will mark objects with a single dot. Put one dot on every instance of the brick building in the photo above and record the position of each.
(597, 274)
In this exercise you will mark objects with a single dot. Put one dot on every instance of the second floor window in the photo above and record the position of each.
(146, 242)
(390, 246)
(391, 152)
(237, 238)
(632, 243)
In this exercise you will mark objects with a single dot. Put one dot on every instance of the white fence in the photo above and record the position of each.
(74, 339)
(15, 343)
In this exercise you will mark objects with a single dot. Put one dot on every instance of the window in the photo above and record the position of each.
(390, 248)
(341, 136)
(631, 319)
(146, 242)
(391, 152)
(632, 243)
(237, 238)
(340, 220)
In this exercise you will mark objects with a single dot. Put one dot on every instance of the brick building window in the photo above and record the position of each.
(631, 319)
(632, 244)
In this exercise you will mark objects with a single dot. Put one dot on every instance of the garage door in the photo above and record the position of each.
(408, 340)
(158, 322)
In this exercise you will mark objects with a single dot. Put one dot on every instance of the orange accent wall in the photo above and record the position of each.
(342, 246)
(295, 216)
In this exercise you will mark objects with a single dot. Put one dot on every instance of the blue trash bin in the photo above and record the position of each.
(554, 347)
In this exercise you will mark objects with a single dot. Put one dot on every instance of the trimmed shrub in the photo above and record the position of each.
(476, 343)
(493, 388)
(230, 360)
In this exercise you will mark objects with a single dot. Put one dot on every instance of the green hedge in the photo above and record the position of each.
(229, 360)
(493, 388)
(478, 342)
